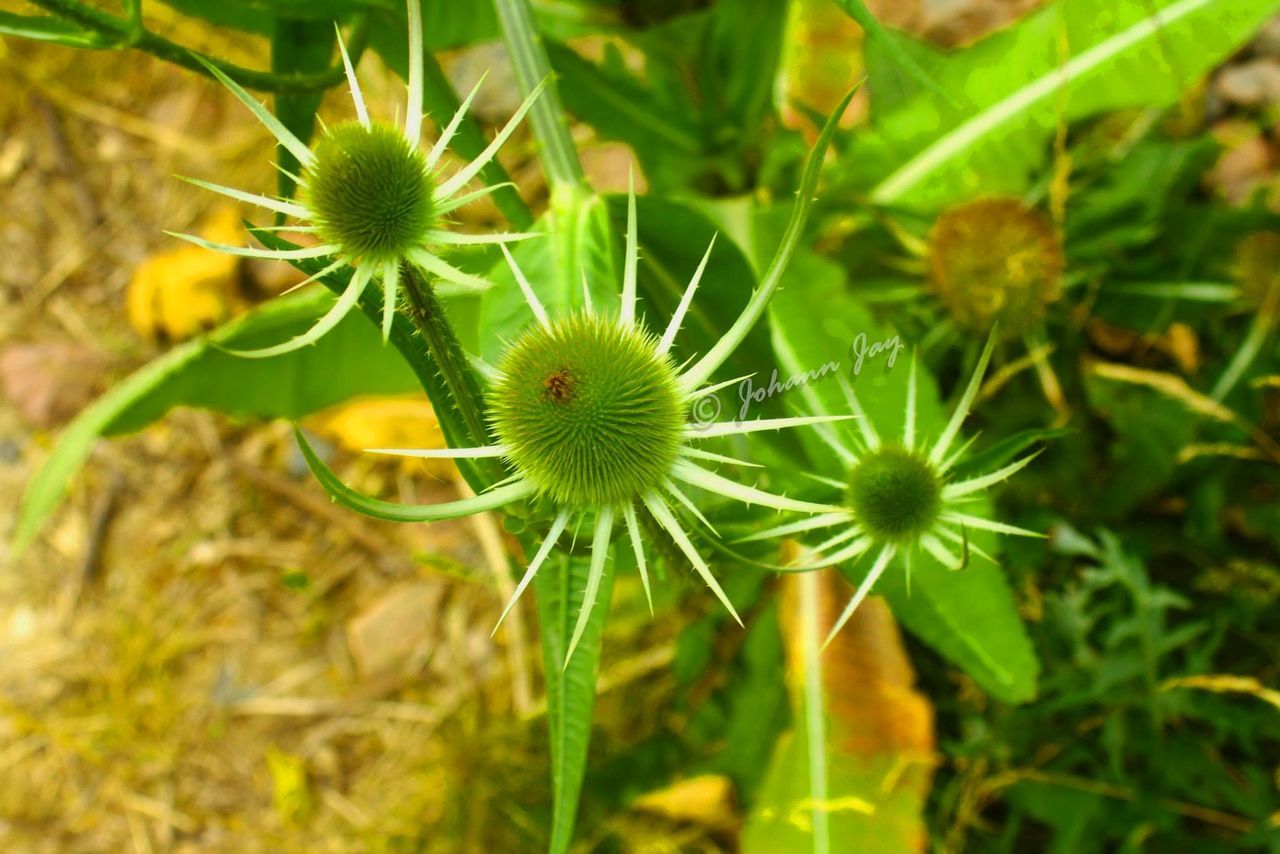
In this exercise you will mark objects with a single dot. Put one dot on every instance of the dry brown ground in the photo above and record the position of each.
(201, 652)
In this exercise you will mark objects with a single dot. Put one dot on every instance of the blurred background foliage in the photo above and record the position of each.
(199, 652)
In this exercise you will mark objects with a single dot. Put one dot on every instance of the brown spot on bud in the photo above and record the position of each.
(559, 386)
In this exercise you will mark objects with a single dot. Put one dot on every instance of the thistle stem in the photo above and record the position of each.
(116, 33)
(428, 317)
(529, 58)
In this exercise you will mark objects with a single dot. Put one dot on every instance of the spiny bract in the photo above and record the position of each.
(899, 495)
(589, 410)
(995, 262)
(372, 197)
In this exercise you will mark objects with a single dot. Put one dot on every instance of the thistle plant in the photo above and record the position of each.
(899, 496)
(590, 414)
(371, 197)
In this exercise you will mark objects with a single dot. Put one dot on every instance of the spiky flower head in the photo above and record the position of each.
(373, 199)
(591, 417)
(1258, 268)
(589, 409)
(899, 495)
(995, 262)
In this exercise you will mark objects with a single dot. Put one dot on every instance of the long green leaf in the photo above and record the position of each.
(43, 28)
(571, 690)
(391, 511)
(350, 360)
(1069, 60)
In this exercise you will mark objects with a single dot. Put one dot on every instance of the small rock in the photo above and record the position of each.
(389, 634)
(1246, 164)
(1251, 84)
(499, 97)
(1268, 41)
(50, 383)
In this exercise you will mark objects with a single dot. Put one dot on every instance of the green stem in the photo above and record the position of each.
(428, 317)
(529, 58)
(815, 714)
(130, 33)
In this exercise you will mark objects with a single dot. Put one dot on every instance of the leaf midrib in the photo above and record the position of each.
(922, 165)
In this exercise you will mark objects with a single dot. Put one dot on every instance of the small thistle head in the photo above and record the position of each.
(1258, 268)
(370, 191)
(995, 261)
(589, 411)
(896, 494)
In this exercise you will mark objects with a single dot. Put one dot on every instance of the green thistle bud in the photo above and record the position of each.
(896, 494)
(901, 497)
(589, 410)
(370, 191)
(372, 197)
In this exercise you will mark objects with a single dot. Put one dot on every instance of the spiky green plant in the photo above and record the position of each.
(373, 199)
(590, 415)
(898, 496)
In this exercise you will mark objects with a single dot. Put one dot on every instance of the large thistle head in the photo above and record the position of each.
(373, 199)
(899, 496)
(589, 410)
(995, 262)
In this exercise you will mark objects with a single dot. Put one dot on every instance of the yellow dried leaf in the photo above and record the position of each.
(393, 422)
(820, 63)
(290, 793)
(705, 800)
(879, 745)
(183, 291)
(1223, 683)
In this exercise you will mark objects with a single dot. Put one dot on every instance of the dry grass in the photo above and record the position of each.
(195, 655)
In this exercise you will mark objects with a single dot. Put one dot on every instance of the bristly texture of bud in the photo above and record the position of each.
(995, 262)
(369, 191)
(588, 410)
(894, 493)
